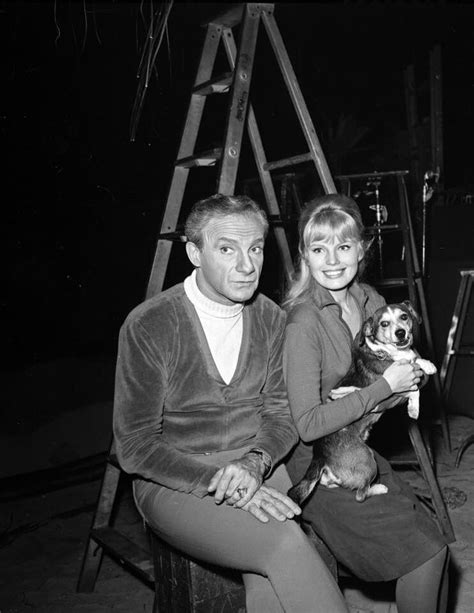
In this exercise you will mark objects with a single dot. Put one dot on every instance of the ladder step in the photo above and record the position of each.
(383, 228)
(218, 85)
(401, 282)
(206, 158)
(291, 161)
(128, 553)
(177, 236)
(229, 18)
(466, 351)
(112, 459)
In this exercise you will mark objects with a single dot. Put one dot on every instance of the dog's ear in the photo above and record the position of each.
(367, 330)
(408, 305)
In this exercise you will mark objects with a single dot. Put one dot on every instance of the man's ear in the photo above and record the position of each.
(194, 254)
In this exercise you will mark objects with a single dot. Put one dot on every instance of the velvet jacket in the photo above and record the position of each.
(317, 354)
(171, 404)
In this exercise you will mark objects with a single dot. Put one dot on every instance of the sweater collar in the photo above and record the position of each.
(322, 297)
(207, 306)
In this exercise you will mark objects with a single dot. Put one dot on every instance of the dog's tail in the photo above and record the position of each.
(300, 492)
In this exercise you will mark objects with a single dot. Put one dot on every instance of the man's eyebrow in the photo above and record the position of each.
(226, 239)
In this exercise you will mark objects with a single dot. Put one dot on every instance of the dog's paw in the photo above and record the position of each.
(377, 489)
(413, 404)
(428, 367)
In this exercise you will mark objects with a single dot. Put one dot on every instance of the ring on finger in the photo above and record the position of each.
(242, 491)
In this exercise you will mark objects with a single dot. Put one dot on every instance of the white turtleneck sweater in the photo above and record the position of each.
(222, 326)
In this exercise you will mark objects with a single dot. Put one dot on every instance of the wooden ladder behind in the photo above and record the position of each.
(236, 82)
(240, 113)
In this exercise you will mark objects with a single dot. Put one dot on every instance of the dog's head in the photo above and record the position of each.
(391, 325)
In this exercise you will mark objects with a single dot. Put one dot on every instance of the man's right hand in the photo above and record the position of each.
(268, 502)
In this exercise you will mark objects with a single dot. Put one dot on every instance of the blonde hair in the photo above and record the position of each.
(334, 214)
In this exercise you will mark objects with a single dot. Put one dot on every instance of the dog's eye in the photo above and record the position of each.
(403, 316)
(385, 324)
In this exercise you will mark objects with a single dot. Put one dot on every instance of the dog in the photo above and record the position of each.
(342, 459)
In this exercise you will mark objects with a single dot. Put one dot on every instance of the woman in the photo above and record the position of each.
(388, 536)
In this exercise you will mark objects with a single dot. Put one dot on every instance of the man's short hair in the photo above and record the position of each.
(219, 205)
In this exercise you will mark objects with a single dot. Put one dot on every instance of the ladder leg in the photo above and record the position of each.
(430, 478)
(261, 160)
(93, 553)
(455, 331)
(298, 101)
(417, 297)
(180, 174)
(239, 98)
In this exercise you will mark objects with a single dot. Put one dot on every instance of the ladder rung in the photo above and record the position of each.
(177, 236)
(392, 282)
(291, 161)
(229, 18)
(128, 553)
(383, 227)
(206, 158)
(219, 85)
(112, 459)
(469, 351)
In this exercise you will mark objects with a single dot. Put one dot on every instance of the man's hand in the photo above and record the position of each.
(340, 392)
(238, 481)
(269, 502)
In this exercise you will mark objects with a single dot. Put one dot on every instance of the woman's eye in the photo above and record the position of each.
(226, 249)
(316, 249)
(345, 247)
(258, 250)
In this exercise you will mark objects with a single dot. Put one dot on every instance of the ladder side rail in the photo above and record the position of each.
(260, 159)
(186, 148)
(426, 466)
(407, 231)
(93, 553)
(455, 334)
(412, 122)
(411, 233)
(298, 101)
(417, 296)
(239, 98)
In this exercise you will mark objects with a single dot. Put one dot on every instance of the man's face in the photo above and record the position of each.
(230, 261)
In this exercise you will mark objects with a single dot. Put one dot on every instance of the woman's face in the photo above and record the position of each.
(334, 263)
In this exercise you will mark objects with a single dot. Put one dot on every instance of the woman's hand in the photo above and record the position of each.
(403, 376)
(237, 482)
(269, 502)
(340, 392)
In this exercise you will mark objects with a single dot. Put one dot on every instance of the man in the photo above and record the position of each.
(201, 416)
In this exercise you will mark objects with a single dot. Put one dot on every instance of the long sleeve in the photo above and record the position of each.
(277, 433)
(141, 380)
(310, 375)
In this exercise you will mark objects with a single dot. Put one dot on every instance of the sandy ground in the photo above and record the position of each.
(42, 537)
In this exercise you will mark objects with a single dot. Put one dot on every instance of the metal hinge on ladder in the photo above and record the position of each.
(236, 84)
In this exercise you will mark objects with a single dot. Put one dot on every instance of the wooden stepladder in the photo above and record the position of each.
(103, 537)
(240, 114)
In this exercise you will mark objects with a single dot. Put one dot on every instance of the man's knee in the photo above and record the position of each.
(291, 543)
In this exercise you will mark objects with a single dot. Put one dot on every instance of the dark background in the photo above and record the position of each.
(82, 203)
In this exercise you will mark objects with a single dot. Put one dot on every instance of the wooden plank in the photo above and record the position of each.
(125, 551)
